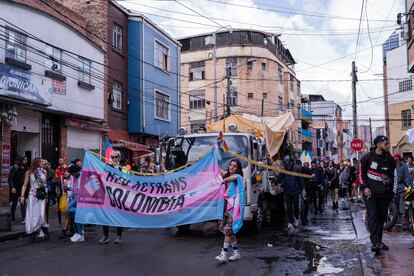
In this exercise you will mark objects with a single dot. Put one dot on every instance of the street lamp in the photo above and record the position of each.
(213, 40)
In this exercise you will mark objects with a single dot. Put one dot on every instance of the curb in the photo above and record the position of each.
(12, 236)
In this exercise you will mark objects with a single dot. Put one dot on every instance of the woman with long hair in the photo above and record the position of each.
(36, 201)
(333, 182)
(233, 210)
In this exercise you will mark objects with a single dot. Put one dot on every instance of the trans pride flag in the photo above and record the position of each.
(110, 197)
(107, 150)
(235, 203)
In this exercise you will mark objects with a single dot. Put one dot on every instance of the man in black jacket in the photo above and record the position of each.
(376, 177)
(16, 179)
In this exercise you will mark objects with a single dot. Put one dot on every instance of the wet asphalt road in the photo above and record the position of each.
(326, 246)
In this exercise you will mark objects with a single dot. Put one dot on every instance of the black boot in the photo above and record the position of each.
(32, 237)
(46, 232)
(63, 235)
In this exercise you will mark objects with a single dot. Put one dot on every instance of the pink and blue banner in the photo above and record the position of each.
(108, 196)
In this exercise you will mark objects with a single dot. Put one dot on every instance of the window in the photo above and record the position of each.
(406, 118)
(117, 37)
(264, 66)
(280, 102)
(197, 99)
(15, 45)
(298, 91)
(291, 83)
(292, 104)
(280, 74)
(161, 56)
(232, 64)
(233, 98)
(405, 85)
(265, 96)
(84, 70)
(250, 65)
(117, 94)
(162, 106)
(249, 96)
(197, 73)
(56, 59)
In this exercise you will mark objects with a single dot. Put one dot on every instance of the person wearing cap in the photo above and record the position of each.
(402, 180)
(376, 178)
(293, 186)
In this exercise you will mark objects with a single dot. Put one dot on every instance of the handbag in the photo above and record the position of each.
(63, 203)
(40, 188)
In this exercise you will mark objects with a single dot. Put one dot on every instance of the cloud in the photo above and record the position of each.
(304, 35)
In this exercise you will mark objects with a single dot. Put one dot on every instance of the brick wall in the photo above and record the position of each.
(5, 164)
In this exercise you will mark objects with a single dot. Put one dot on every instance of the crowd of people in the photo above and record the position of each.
(37, 188)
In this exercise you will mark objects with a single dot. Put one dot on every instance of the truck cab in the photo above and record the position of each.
(187, 148)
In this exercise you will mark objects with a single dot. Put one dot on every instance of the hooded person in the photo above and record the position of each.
(376, 178)
(16, 180)
(293, 186)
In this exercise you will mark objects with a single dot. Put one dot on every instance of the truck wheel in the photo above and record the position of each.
(184, 228)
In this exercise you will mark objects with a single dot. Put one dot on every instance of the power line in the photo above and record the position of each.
(359, 29)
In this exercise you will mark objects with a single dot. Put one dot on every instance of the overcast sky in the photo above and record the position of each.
(315, 31)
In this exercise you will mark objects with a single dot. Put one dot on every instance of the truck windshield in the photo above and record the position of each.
(186, 149)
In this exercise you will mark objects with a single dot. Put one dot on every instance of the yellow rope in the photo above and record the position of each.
(241, 157)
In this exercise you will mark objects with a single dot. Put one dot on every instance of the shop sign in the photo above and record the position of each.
(58, 87)
(69, 122)
(19, 84)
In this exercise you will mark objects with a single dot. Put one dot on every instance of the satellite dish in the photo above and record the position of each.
(232, 128)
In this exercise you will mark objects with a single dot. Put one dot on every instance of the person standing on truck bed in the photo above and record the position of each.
(233, 210)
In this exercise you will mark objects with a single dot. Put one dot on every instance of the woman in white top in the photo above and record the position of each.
(36, 201)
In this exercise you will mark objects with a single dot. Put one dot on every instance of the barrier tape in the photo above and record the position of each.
(260, 164)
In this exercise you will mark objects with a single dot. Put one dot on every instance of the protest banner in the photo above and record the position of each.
(108, 196)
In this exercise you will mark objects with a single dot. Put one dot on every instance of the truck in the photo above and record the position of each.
(186, 148)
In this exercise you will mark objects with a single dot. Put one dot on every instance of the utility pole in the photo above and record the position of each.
(370, 131)
(261, 113)
(354, 102)
(224, 113)
(228, 73)
(215, 78)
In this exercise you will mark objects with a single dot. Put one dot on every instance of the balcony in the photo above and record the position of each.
(306, 115)
(307, 136)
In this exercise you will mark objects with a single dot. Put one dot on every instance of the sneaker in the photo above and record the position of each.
(104, 240)
(290, 226)
(376, 248)
(23, 221)
(41, 234)
(74, 237)
(296, 223)
(384, 246)
(79, 238)
(235, 255)
(118, 240)
(223, 257)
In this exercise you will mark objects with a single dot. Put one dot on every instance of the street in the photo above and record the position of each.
(328, 245)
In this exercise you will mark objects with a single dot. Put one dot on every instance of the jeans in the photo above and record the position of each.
(377, 210)
(292, 207)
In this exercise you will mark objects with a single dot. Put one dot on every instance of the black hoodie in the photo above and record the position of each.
(16, 176)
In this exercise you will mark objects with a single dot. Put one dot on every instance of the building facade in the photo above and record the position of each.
(328, 116)
(400, 99)
(51, 88)
(408, 34)
(238, 71)
(364, 133)
(154, 81)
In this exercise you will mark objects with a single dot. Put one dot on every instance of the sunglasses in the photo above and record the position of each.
(113, 157)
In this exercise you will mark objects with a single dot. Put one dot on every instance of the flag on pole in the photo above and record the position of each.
(221, 142)
(107, 150)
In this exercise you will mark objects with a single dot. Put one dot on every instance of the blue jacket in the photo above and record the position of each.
(292, 185)
(403, 178)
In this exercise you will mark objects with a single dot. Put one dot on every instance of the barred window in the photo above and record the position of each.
(197, 99)
(405, 85)
(406, 118)
(162, 106)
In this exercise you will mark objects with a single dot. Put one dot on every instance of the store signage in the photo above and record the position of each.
(59, 87)
(19, 84)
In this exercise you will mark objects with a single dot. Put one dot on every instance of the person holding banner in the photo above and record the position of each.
(114, 163)
(73, 190)
(233, 210)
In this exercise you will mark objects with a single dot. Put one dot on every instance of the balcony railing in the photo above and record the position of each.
(306, 115)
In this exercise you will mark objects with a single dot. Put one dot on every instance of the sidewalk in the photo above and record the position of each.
(18, 229)
(399, 259)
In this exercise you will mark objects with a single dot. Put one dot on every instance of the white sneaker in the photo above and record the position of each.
(41, 234)
(235, 255)
(223, 257)
(296, 223)
(118, 240)
(290, 226)
(79, 238)
(74, 237)
(104, 240)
